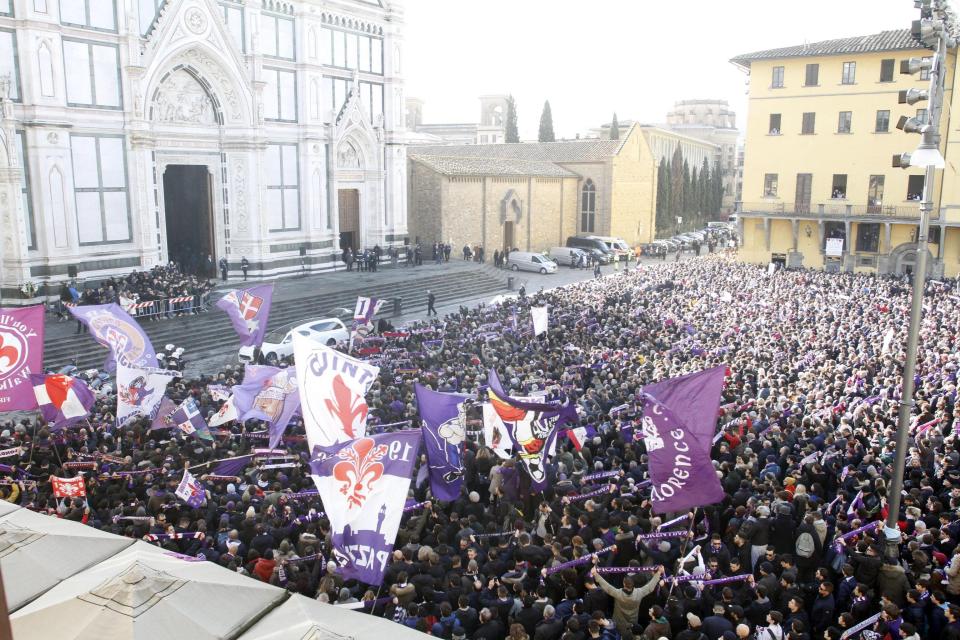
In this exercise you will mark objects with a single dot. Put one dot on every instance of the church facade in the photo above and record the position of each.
(136, 132)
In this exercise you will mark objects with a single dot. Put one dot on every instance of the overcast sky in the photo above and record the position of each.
(593, 57)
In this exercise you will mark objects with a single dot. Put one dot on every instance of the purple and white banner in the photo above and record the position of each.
(444, 430)
(270, 394)
(113, 327)
(21, 353)
(140, 390)
(249, 311)
(363, 484)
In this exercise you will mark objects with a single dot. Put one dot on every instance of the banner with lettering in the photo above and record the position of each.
(333, 387)
(21, 353)
(113, 327)
(363, 484)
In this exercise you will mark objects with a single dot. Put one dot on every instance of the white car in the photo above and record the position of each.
(529, 261)
(278, 343)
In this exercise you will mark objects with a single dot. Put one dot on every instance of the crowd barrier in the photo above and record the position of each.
(167, 307)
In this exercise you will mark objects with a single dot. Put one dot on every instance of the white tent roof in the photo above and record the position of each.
(300, 618)
(38, 551)
(7, 507)
(146, 593)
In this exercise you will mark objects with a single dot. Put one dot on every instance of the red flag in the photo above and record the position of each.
(68, 487)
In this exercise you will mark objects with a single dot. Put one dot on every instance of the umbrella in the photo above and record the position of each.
(37, 552)
(301, 618)
(146, 593)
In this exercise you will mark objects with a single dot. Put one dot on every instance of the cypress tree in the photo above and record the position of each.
(546, 124)
(663, 197)
(707, 211)
(614, 128)
(510, 133)
(675, 207)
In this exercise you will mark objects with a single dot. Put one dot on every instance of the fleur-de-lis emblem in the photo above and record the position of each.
(348, 408)
(359, 469)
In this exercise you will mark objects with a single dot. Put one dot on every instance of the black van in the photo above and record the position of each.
(587, 243)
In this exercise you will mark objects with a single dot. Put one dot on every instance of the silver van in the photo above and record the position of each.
(565, 255)
(529, 261)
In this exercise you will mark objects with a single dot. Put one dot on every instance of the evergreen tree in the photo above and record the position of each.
(510, 133)
(686, 194)
(675, 207)
(716, 193)
(663, 198)
(693, 200)
(546, 124)
(707, 212)
(614, 128)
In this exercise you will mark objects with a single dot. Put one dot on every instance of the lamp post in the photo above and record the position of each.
(935, 29)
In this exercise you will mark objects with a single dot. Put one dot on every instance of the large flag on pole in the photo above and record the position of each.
(541, 319)
(190, 490)
(227, 413)
(62, 400)
(532, 427)
(363, 484)
(678, 423)
(270, 394)
(162, 419)
(363, 318)
(113, 327)
(444, 430)
(140, 391)
(21, 353)
(332, 390)
(249, 310)
(495, 434)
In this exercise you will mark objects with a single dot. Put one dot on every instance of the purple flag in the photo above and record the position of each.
(444, 430)
(190, 490)
(680, 467)
(249, 310)
(270, 394)
(363, 484)
(232, 466)
(695, 400)
(532, 427)
(113, 327)
(162, 419)
(187, 418)
(21, 353)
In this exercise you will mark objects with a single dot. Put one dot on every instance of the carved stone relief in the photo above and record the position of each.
(195, 21)
(347, 157)
(240, 194)
(181, 99)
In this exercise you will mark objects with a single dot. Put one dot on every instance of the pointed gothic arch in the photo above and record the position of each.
(197, 107)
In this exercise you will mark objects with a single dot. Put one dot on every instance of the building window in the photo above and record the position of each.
(839, 189)
(770, 185)
(283, 187)
(336, 89)
(868, 237)
(933, 235)
(774, 124)
(6, 7)
(148, 13)
(371, 99)
(94, 80)
(915, 188)
(886, 70)
(100, 188)
(280, 95)
(849, 73)
(883, 122)
(777, 81)
(351, 51)
(809, 123)
(922, 115)
(9, 62)
(276, 36)
(25, 190)
(812, 77)
(875, 194)
(95, 14)
(925, 73)
(588, 207)
(234, 20)
(845, 122)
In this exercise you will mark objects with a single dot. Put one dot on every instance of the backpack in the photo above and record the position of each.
(805, 545)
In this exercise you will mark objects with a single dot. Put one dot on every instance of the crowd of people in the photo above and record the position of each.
(807, 436)
(161, 283)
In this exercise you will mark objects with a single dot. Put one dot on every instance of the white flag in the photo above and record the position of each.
(495, 433)
(541, 319)
(227, 413)
(140, 390)
(887, 341)
(332, 390)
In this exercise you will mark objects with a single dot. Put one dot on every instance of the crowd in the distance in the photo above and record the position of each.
(814, 365)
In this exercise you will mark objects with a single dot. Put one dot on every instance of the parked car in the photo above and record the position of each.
(616, 246)
(278, 344)
(588, 242)
(529, 261)
(599, 256)
(566, 255)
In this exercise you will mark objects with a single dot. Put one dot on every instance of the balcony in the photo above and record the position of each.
(829, 210)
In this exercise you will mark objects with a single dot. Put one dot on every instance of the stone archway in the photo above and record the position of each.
(182, 96)
(903, 257)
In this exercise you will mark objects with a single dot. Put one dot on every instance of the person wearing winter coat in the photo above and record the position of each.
(626, 601)
(892, 582)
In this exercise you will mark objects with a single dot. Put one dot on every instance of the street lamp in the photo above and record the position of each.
(936, 30)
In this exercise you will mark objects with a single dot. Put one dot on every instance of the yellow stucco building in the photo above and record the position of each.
(819, 188)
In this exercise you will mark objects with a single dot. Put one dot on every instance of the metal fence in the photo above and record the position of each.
(165, 308)
(829, 209)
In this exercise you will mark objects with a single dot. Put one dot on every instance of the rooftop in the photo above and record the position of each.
(564, 151)
(896, 40)
(478, 166)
